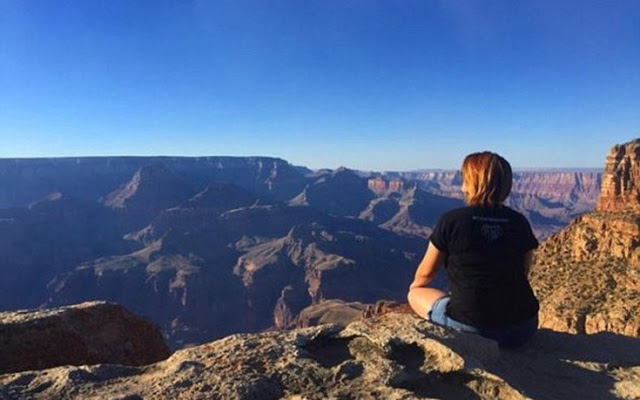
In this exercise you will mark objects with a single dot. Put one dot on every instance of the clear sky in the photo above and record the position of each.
(367, 84)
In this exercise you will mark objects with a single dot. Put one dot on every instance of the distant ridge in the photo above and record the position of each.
(25, 180)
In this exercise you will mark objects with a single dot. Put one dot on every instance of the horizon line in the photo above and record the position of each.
(428, 169)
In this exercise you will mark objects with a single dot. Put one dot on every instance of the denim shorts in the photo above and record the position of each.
(509, 336)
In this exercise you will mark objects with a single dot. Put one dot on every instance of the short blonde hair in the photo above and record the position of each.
(487, 179)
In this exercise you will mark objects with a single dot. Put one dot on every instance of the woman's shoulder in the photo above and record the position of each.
(479, 211)
(457, 212)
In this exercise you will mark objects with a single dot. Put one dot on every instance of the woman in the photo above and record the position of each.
(486, 249)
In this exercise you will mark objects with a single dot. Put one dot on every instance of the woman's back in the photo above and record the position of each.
(485, 251)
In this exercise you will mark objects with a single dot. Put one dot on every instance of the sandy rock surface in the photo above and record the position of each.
(394, 356)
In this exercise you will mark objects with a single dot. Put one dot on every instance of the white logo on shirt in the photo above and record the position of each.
(491, 232)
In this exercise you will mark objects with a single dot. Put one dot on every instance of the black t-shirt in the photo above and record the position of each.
(485, 251)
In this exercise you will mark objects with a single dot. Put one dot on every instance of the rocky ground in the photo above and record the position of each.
(394, 356)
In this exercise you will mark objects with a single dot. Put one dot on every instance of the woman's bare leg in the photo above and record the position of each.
(421, 299)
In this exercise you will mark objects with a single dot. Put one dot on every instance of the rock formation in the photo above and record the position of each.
(341, 192)
(587, 276)
(203, 275)
(152, 188)
(379, 185)
(87, 333)
(621, 179)
(395, 356)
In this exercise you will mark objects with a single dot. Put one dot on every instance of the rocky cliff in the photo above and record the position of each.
(621, 180)
(588, 275)
(395, 356)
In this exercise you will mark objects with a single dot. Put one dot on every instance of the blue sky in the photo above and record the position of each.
(378, 85)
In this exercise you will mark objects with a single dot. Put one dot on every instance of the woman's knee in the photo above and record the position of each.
(422, 299)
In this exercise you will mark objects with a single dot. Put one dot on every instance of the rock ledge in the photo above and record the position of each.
(394, 356)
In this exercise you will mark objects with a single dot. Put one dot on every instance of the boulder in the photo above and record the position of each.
(87, 333)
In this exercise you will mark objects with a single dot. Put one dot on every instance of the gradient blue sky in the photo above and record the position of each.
(368, 84)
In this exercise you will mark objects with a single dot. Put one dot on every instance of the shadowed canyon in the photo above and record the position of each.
(210, 246)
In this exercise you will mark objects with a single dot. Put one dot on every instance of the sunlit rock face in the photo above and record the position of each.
(377, 184)
(621, 180)
(581, 187)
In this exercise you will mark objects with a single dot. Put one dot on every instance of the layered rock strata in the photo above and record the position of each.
(621, 179)
(395, 356)
(87, 333)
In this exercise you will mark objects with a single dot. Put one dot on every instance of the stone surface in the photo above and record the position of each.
(330, 311)
(621, 179)
(394, 356)
(87, 333)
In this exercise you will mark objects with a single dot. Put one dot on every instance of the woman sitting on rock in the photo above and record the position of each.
(486, 250)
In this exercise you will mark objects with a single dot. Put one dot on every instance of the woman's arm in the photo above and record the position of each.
(421, 298)
(428, 267)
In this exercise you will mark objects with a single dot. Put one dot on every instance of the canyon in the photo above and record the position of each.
(211, 246)
(324, 281)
